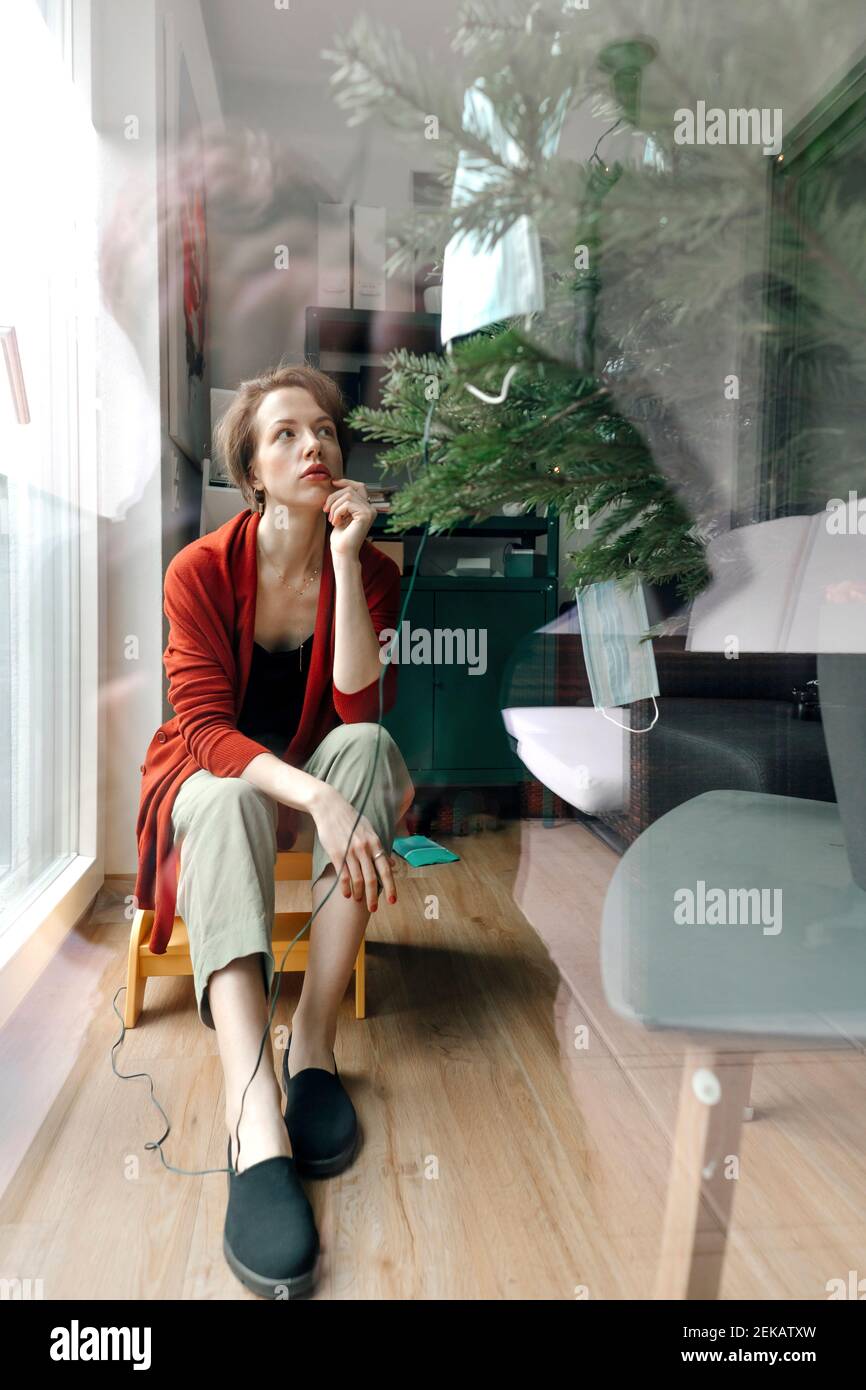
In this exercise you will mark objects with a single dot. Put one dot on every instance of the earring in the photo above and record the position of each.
(259, 495)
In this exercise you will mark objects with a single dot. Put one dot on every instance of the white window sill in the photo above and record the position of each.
(32, 940)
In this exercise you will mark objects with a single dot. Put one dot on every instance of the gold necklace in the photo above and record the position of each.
(306, 583)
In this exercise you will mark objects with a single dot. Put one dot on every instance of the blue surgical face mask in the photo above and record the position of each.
(621, 667)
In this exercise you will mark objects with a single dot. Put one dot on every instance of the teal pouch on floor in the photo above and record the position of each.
(417, 850)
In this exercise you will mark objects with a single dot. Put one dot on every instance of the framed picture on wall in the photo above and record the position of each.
(186, 259)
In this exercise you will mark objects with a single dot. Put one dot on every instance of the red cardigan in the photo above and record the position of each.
(210, 602)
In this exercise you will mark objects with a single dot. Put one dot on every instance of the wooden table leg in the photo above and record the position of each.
(715, 1091)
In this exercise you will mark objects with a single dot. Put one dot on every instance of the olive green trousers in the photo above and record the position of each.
(227, 828)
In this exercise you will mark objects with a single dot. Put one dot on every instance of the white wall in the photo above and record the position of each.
(258, 310)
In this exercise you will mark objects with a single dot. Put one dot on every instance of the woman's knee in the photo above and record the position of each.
(385, 737)
(379, 748)
(234, 801)
(368, 737)
(366, 746)
(237, 791)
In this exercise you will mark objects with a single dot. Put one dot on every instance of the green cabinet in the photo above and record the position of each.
(467, 722)
(448, 721)
(410, 722)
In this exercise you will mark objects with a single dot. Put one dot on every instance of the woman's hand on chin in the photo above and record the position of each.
(351, 515)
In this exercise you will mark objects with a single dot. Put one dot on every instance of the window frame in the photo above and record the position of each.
(35, 935)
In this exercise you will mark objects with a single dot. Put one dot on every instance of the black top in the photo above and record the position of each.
(275, 695)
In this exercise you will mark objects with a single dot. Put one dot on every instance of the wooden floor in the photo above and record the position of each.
(499, 1160)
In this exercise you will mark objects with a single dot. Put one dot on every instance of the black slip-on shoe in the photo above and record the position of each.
(321, 1120)
(270, 1239)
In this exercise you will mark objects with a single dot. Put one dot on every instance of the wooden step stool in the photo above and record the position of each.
(291, 865)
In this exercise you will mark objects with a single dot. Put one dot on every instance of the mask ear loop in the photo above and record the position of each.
(503, 390)
(484, 395)
(627, 727)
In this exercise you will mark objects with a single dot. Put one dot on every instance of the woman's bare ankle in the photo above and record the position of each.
(263, 1134)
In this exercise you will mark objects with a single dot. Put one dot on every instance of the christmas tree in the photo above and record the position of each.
(637, 252)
